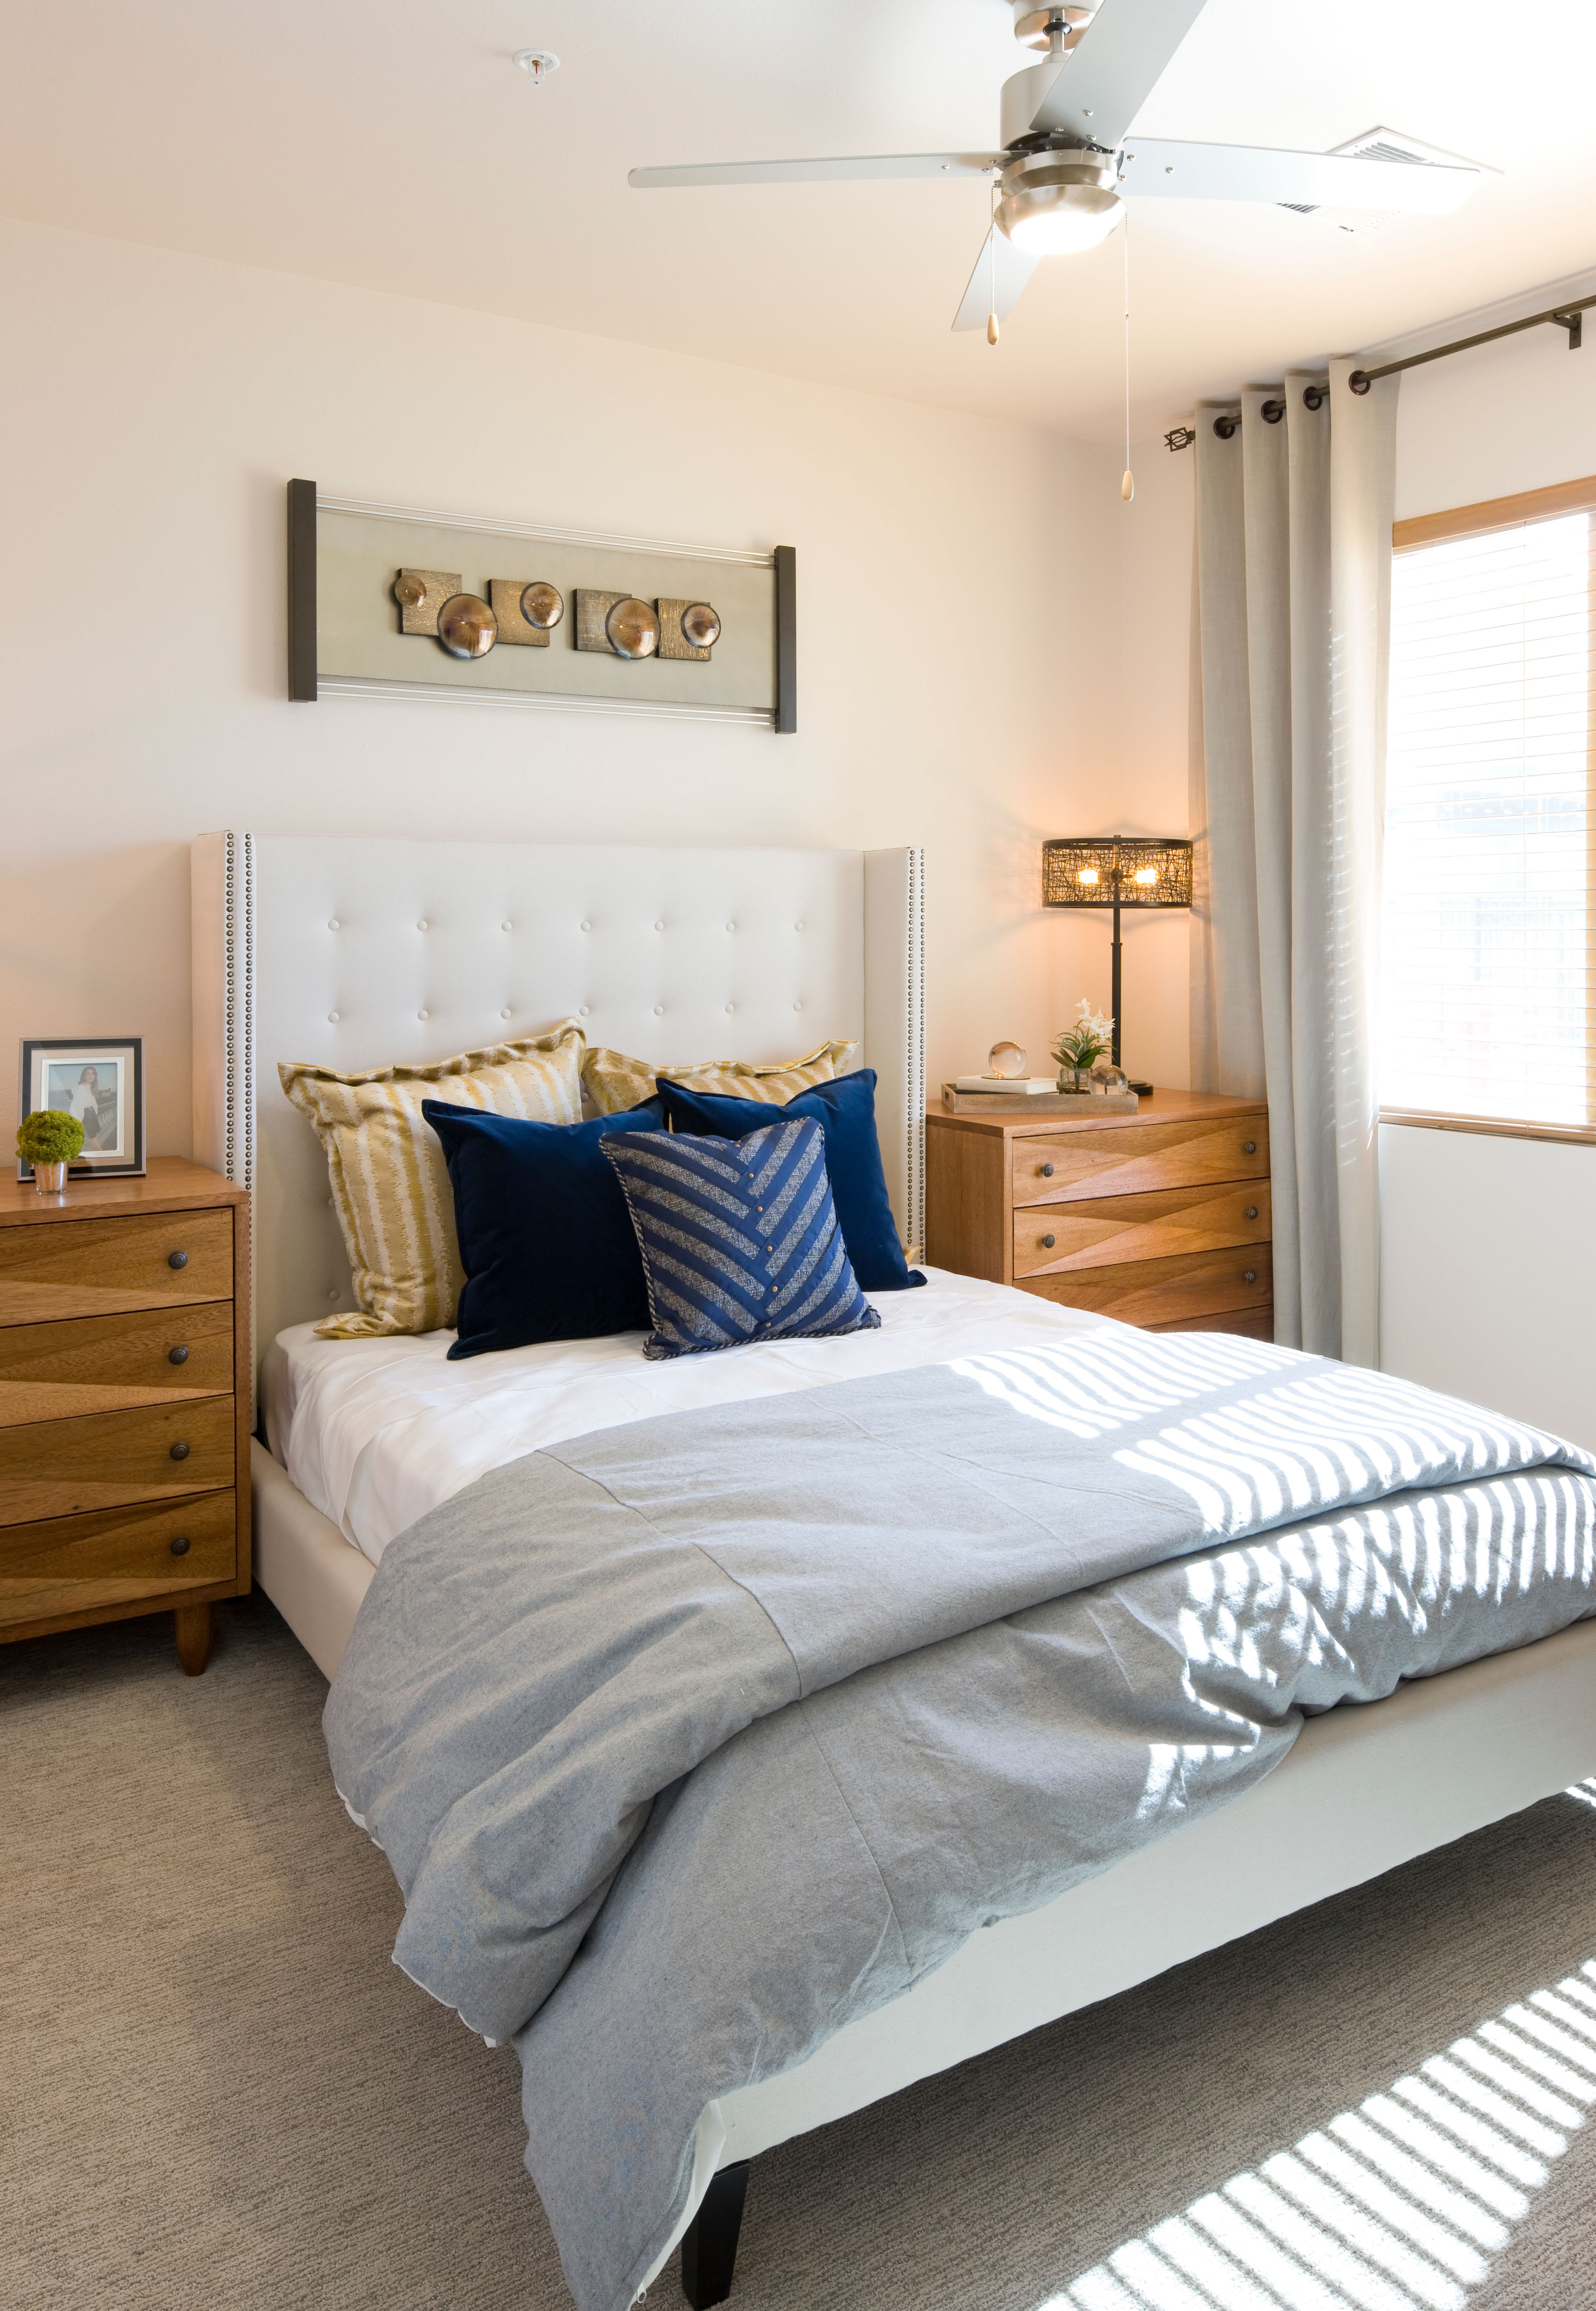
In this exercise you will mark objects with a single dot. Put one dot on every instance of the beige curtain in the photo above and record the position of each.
(1291, 618)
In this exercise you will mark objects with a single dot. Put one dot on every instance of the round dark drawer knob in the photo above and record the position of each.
(1047, 1243)
(178, 1355)
(1047, 1171)
(179, 1547)
(1249, 1275)
(179, 1451)
(1251, 1214)
(176, 1260)
(1249, 1146)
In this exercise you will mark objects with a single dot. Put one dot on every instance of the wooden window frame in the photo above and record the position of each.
(1475, 521)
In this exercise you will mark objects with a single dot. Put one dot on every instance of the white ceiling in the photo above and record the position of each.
(396, 147)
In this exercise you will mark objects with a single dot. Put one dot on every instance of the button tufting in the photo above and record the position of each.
(797, 927)
(507, 926)
(420, 1015)
(797, 1006)
(659, 926)
(731, 927)
(334, 1293)
(731, 1006)
(423, 924)
(334, 924)
(586, 927)
(332, 1019)
(659, 1010)
(504, 1015)
(581, 1011)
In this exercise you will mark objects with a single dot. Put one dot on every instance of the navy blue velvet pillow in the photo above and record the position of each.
(545, 1238)
(845, 1108)
(739, 1237)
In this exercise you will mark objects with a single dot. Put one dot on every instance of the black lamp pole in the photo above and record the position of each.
(1115, 992)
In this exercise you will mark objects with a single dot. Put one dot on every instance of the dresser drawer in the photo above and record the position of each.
(1106, 1230)
(1133, 1158)
(104, 1364)
(1160, 1293)
(94, 1267)
(70, 1564)
(67, 1468)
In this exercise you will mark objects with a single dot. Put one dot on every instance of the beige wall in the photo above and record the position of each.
(959, 619)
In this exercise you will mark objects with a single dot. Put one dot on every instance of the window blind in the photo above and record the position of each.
(1488, 964)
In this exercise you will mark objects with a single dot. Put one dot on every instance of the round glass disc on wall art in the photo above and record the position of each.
(634, 628)
(467, 627)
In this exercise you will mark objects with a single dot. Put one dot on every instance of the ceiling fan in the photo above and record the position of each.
(1066, 168)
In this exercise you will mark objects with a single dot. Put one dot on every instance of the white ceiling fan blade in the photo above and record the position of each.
(1095, 91)
(1000, 268)
(819, 172)
(1248, 173)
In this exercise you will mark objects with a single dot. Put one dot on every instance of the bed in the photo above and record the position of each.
(355, 952)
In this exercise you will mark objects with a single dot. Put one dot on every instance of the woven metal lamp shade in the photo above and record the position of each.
(1116, 870)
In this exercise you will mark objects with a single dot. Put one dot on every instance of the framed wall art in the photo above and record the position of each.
(100, 1080)
(396, 602)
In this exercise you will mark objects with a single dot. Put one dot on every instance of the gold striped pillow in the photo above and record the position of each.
(616, 1083)
(390, 1181)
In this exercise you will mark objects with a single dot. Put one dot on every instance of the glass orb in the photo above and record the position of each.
(1005, 1060)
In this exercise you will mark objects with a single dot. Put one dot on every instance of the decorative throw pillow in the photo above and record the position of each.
(845, 1110)
(389, 1184)
(616, 1083)
(739, 1238)
(545, 1237)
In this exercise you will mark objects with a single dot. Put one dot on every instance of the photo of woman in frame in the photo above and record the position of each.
(97, 1082)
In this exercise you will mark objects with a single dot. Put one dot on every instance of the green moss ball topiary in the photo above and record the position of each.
(50, 1136)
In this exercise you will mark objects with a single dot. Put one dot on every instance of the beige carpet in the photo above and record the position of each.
(216, 2090)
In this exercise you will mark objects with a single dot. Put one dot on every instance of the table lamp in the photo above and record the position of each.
(1116, 870)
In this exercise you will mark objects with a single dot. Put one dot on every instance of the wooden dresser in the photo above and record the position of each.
(1160, 1218)
(124, 1441)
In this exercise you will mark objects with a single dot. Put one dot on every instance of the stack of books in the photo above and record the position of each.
(1029, 1095)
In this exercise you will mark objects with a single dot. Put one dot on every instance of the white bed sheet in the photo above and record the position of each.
(375, 1433)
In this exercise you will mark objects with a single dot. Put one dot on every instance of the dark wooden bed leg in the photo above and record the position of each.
(709, 2243)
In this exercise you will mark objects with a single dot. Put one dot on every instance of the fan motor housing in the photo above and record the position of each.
(1077, 176)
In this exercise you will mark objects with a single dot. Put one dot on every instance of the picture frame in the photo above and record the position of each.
(100, 1080)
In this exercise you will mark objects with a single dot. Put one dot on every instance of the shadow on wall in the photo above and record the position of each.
(71, 928)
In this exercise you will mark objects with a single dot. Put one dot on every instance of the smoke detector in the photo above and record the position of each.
(538, 63)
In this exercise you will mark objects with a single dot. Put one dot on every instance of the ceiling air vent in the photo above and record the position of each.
(1376, 144)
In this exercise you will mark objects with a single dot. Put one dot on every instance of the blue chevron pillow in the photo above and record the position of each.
(739, 1237)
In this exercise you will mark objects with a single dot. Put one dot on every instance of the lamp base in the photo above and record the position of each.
(1142, 1090)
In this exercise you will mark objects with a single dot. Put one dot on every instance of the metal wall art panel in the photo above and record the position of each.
(588, 621)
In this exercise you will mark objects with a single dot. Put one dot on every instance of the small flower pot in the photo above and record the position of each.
(49, 1179)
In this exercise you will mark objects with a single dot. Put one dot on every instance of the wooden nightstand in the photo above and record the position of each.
(1160, 1218)
(124, 1402)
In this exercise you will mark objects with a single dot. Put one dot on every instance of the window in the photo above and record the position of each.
(1488, 1004)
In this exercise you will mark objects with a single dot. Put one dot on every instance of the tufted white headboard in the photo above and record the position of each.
(357, 953)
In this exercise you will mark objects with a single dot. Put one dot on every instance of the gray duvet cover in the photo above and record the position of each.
(691, 1740)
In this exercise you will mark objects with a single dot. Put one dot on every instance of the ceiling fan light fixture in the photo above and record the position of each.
(1058, 220)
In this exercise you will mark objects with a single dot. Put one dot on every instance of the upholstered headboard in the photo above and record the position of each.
(356, 953)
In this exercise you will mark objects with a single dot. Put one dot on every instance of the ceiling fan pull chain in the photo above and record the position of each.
(993, 253)
(1127, 480)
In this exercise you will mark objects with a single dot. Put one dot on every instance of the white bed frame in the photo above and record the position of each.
(358, 953)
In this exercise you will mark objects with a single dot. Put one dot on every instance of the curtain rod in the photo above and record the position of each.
(1567, 316)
